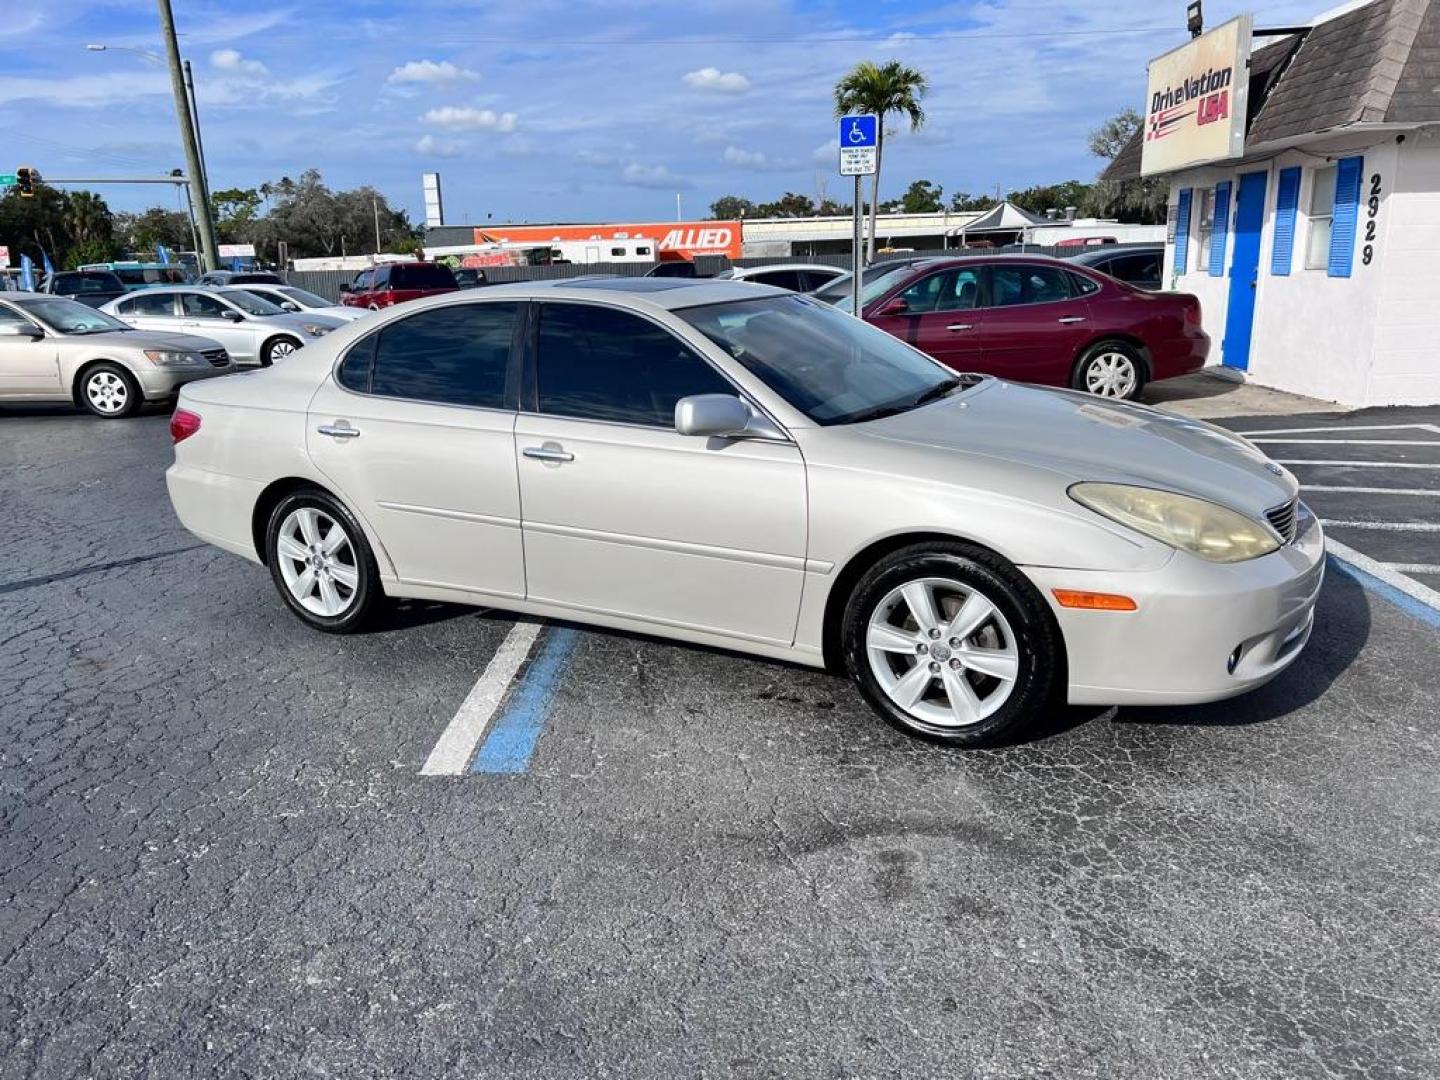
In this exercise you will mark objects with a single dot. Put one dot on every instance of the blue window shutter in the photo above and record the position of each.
(1347, 213)
(1287, 198)
(1221, 228)
(1182, 232)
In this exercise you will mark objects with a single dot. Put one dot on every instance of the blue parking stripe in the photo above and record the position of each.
(1386, 591)
(513, 737)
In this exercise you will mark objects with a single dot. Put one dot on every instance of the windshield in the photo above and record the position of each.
(251, 305)
(873, 282)
(136, 276)
(833, 368)
(72, 317)
(305, 299)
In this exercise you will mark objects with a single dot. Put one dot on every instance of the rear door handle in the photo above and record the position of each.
(959, 326)
(1073, 319)
(338, 430)
(548, 453)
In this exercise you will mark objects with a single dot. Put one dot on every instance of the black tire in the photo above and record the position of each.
(1036, 641)
(109, 391)
(363, 600)
(267, 351)
(1103, 352)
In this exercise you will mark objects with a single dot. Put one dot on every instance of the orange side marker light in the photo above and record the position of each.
(1093, 601)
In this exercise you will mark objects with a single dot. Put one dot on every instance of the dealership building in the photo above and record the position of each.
(1304, 197)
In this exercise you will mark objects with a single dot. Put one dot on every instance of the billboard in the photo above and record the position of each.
(434, 206)
(1195, 100)
(673, 239)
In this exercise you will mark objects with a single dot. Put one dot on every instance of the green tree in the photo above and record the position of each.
(731, 208)
(139, 233)
(922, 197)
(1138, 199)
(1044, 197)
(881, 89)
(235, 211)
(1107, 140)
(789, 205)
(964, 202)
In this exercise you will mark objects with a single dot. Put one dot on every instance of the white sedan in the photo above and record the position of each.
(296, 300)
(736, 466)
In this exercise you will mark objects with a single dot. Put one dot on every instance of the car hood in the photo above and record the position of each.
(144, 339)
(300, 320)
(1082, 437)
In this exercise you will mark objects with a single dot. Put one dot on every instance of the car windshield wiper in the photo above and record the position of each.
(935, 392)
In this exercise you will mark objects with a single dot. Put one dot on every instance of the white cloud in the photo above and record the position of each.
(651, 176)
(715, 81)
(463, 118)
(432, 72)
(232, 60)
(827, 153)
(430, 146)
(754, 159)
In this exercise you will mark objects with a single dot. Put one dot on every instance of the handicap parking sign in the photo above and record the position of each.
(859, 144)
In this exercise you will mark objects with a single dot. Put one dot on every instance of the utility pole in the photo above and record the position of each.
(375, 205)
(199, 193)
(195, 123)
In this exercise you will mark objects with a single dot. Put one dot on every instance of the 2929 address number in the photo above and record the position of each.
(1372, 211)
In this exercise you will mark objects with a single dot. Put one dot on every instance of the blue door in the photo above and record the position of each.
(1244, 270)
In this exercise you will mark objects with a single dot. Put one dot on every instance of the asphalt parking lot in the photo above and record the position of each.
(235, 847)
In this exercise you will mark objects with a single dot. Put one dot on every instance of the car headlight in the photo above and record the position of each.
(1195, 525)
(169, 358)
(315, 331)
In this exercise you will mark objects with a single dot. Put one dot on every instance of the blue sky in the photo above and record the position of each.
(557, 110)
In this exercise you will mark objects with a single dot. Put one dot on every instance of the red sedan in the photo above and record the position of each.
(1039, 320)
(394, 283)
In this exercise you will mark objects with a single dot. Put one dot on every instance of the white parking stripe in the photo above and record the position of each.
(1385, 526)
(1341, 429)
(1432, 492)
(458, 741)
(1409, 586)
(1413, 567)
(1353, 442)
(1361, 464)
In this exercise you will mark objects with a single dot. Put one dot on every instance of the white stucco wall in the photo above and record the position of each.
(1372, 338)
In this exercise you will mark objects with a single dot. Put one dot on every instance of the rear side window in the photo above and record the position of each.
(1144, 267)
(422, 276)
(149, 304)
(600, 364)
(1011, 285)
(1081, 285)
(456, 355)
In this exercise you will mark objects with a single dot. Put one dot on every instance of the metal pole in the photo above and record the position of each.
(195, 122)
(199, 197)
(855, 242)
(375, 205)
(190, 206)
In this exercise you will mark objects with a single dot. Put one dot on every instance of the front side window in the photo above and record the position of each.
(833, 368)
(1321, 212)
(362, 281)
(597, 363)
(252, 305)
(380, 278)
(303, 297)
(201, 306)
(72, 317)
(152, 304)
(1011, 285)
(949, 290)
(457, 355)
(781, 279)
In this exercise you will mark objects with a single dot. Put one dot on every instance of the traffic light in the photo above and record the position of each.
(26, 178)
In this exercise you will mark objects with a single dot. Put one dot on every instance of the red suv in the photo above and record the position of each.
(1040, 320)
(394, 283)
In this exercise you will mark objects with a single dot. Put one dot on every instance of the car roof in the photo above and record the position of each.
(787, 266)
(1105, 251)
(667, 293)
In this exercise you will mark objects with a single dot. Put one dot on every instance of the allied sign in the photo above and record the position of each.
(859, 145)
(1195, 100)
(685, 239)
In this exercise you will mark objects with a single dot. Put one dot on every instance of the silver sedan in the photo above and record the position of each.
(731, 465)
(255, 331)
(56, 349)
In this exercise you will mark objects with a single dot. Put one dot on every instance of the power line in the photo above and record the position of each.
(898, 37)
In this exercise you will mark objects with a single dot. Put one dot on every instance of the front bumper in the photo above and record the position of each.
(1202, 631)
(159, 383)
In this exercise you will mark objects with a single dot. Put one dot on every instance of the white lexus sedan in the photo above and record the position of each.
(733, 465)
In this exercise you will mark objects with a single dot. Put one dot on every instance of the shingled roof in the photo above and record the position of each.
(1377, 63)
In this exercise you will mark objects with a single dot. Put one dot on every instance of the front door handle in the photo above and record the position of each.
(1073, 319)
(956, 326)
(548, 452)
(339, 430)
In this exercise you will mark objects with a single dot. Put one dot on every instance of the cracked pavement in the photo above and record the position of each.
(219, 859)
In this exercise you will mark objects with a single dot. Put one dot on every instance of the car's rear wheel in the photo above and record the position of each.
(950, 643)
(321, 562)
(1111, 369)
(110, 391)
(277, 349)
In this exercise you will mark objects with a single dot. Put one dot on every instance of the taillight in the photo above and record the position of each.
(183, 424)
(1192, 312)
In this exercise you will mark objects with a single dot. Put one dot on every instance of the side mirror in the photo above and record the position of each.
(722, 416)
(289, 305)
(898, 306)
(234, 316)
(24, 330)
(345, 286)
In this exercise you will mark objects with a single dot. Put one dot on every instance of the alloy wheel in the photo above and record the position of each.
(317, 561)
(281, 349)
(942, 652)
(1111, 374)
(107, 392)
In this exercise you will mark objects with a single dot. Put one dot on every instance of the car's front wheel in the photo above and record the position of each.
(321, 562)
(950, 643)
(277, 349)
(110, 391)
(1111, 369)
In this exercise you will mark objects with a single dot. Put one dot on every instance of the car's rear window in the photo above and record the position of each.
(422, 276)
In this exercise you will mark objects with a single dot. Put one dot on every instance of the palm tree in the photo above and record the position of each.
(881, 89)
(87, 217)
